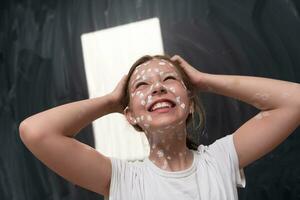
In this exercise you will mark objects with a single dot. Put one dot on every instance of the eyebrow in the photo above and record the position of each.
(165, 74)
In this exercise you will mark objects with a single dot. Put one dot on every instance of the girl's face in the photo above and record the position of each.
(158, 96)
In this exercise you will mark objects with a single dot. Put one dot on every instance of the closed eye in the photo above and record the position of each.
(170, 77)
(140, 84)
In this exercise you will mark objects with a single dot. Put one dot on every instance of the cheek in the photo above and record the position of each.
(138, 101)
(183, 102)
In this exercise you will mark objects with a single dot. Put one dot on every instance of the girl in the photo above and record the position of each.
(158, 97)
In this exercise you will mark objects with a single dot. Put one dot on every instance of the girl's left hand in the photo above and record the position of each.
(196, 77)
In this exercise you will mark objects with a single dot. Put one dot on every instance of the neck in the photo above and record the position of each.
(168, 149)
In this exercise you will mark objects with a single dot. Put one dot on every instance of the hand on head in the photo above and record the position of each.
(195, 76)
(118, 95)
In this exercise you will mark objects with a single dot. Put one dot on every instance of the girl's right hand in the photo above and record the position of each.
(118, 95)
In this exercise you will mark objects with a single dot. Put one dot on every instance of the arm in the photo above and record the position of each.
(279, 102)
(49, 136)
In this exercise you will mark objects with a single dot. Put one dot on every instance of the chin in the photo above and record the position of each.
(163, 123)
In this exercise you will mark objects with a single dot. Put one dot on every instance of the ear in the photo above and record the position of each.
(129, 116)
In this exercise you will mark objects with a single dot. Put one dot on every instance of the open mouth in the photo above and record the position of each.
(161, 105)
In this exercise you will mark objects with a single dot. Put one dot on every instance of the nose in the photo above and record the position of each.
(159, 89)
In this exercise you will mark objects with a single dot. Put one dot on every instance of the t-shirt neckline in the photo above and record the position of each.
(175, 174)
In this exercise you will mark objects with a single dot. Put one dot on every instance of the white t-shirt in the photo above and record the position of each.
(214, 174)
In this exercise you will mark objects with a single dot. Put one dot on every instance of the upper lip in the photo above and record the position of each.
(160, 100)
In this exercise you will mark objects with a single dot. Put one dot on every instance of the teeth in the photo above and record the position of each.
(161, 105)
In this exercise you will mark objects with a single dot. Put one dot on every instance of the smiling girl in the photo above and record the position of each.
(158, 97)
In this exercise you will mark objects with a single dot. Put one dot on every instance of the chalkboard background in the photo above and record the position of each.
(41, 66)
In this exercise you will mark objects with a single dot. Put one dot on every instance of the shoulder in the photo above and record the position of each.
(126, 168)
(222, 145)
(223, 155)
(121, 164)
(124, 175)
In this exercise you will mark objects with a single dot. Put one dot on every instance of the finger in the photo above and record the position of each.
(175, 57)
(124, 79)
(121, 84)
(181, 61)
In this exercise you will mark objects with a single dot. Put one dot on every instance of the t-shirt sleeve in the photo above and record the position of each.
(120, 179)
(225, 152)
(125, 176)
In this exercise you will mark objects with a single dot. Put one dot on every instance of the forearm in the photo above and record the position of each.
(69, 119)
(262, 93)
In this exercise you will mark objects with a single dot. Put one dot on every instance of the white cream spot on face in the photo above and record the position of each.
(146, 63)
(150, 89)
(169, 157)
(141, 95)
(180, 154)
(182, 105)
(162, 63)
(137, 77)
(156, 70)
(142, 117)
(146, 125)
(149, 99)
(178, 99)
(143, 102)
(172, 89)
(132, 94)
(157, 85)
(149, 70)
(136, 71)
(149, 118)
